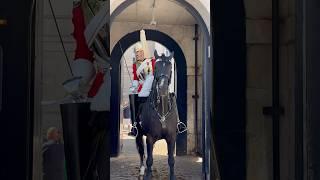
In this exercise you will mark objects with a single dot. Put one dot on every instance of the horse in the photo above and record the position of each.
(158, 117)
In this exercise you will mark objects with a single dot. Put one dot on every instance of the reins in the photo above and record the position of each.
(156, 98)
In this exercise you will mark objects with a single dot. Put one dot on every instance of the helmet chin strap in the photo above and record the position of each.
(140, 60)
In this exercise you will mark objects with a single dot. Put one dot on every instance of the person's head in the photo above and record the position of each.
(54, 134)
(139, 52)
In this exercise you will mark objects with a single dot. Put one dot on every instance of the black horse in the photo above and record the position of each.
(158, 116)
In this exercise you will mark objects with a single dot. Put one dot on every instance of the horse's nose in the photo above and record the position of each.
(163, 88)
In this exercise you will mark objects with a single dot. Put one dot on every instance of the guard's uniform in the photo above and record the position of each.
(143, 76)
(142, 69)
(88, 84)
(87, 81)
(140, 90)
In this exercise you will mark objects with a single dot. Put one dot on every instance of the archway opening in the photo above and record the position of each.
(125, 150)
(125, 43)
(204, 67)
(128, 147)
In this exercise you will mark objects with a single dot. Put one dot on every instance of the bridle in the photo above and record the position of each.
(155, 93)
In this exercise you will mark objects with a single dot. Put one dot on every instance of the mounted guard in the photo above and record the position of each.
(143, 70)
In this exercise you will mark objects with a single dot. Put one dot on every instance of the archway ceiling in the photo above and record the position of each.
(166, 13)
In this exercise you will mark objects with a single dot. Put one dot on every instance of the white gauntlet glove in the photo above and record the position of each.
(134, 88)
(140, 70)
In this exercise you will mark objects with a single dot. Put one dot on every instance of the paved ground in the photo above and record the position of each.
(126, 166)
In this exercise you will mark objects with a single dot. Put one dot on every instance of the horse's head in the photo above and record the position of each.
(163, 71)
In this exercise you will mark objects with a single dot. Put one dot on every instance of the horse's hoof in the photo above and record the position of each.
(142, 169)
(147, 176)
(173, 177)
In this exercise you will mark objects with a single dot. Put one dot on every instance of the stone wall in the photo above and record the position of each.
(50, 71)
(259, 89)
(54, 64)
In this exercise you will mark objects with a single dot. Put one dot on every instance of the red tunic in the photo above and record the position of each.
(96, 85)
(82, 49)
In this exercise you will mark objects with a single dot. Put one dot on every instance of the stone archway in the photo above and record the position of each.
(116, 55)
(202, 17)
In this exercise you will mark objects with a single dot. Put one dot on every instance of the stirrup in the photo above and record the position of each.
(184, 127)
(134, 127)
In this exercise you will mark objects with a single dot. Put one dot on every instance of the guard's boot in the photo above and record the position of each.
(133, 110)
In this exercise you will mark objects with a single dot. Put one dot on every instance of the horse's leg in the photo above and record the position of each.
(140, 147)
(171, 142)
(150, 143)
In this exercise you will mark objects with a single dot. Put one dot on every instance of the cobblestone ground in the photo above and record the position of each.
(126, 166)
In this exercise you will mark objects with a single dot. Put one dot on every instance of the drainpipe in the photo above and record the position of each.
(196, 96)
(275, 89)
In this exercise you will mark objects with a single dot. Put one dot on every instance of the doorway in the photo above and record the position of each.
(116, 56)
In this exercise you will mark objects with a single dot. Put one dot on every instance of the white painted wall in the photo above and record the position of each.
(53, 59)
(201, 6)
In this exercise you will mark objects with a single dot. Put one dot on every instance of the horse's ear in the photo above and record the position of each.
(171, 55)
(156, 54)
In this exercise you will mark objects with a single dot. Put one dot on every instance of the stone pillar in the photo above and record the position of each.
(259, 89)
(287, 64)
